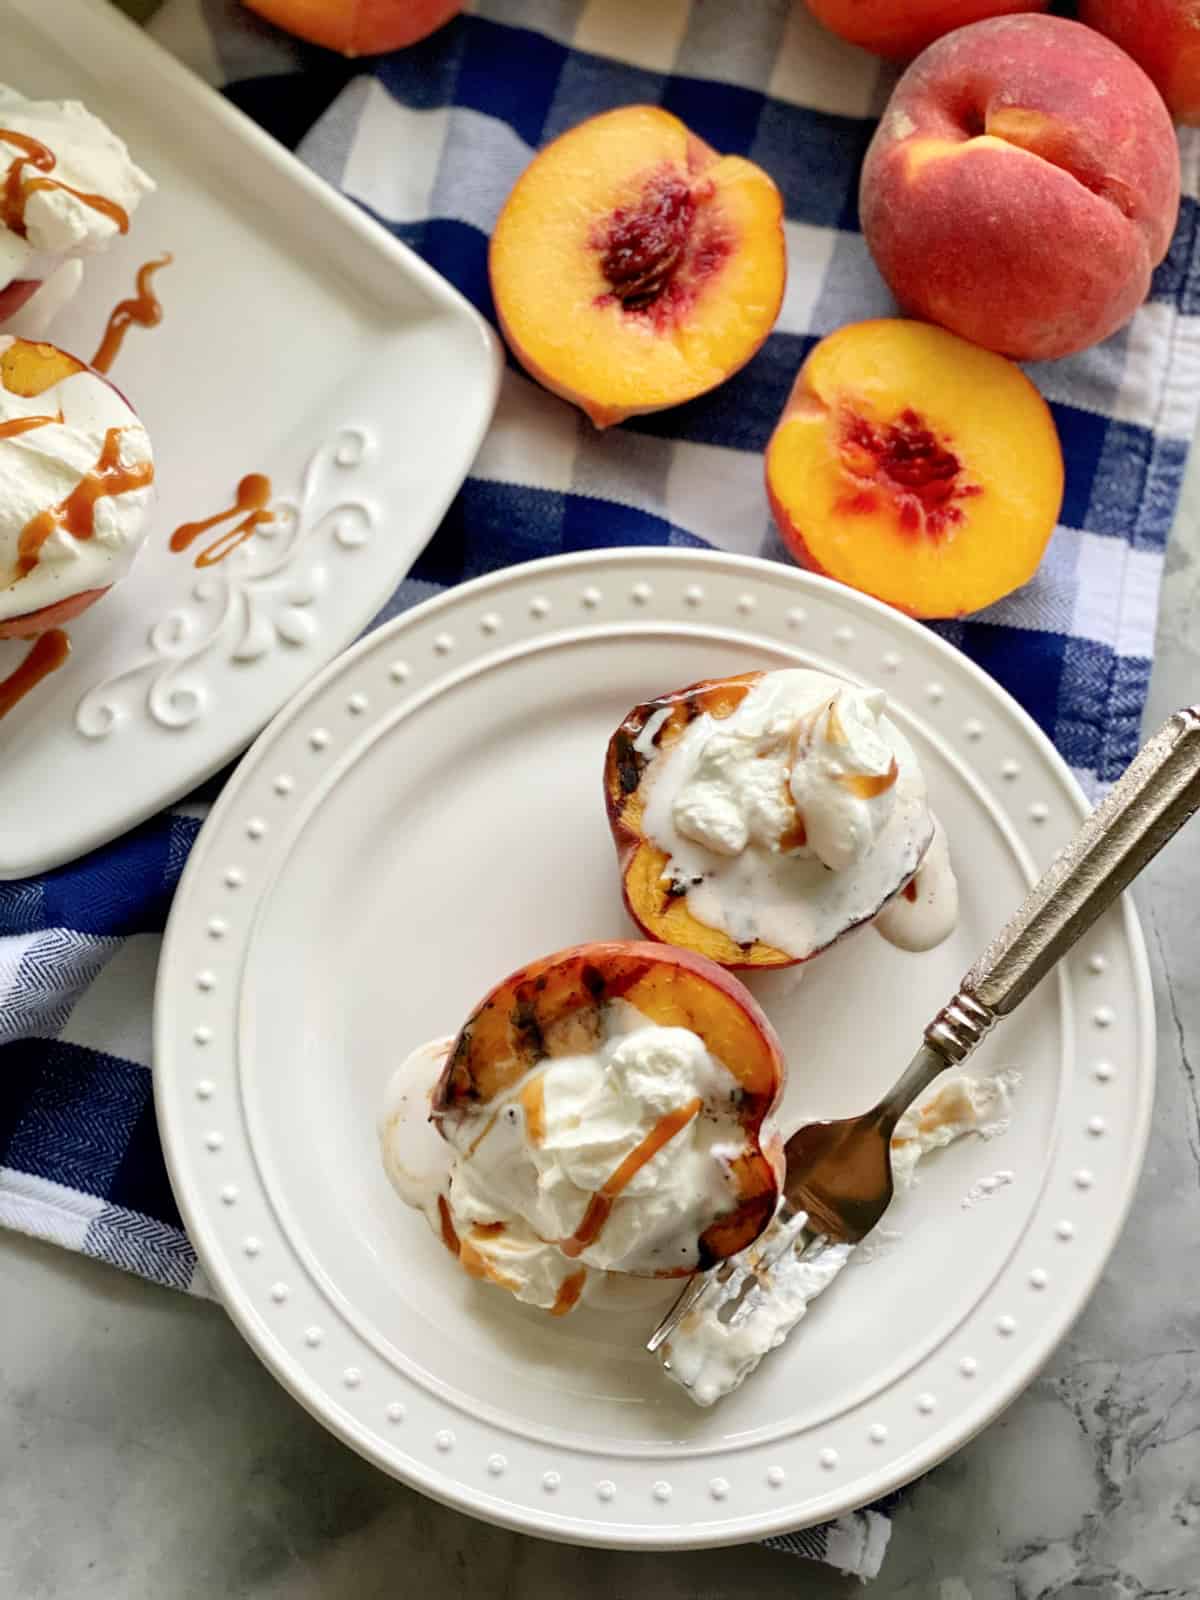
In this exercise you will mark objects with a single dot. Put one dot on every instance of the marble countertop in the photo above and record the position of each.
(144, 1452)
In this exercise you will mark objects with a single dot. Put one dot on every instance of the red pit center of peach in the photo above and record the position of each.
(907, 462)
(657, 252)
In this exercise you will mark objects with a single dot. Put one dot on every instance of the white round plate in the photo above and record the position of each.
(427, 816)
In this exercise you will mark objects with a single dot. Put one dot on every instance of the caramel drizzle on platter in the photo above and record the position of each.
(46, 655)
(144, 309)
(251, 503)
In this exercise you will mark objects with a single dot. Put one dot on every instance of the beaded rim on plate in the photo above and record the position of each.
(636, 1498)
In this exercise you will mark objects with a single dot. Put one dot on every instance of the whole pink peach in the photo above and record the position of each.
(1022, 186)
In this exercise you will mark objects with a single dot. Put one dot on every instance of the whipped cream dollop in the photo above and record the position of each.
(79, 428)
(715, 1349)
(795, 817)
(648, 1119)
(52, 221)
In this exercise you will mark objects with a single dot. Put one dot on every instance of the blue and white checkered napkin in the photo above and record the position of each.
(430, 141)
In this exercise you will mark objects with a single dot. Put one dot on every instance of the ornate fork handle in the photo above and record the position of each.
(1155, 796)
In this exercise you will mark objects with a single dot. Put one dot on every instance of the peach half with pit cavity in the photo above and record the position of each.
(916, 467)
(633, 267)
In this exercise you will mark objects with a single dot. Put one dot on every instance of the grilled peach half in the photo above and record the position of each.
(656, 904)
(556, 1007)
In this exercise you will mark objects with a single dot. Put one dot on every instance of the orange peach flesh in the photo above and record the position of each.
(553, 1008)
(633, 267)
(915, 467)
(29, 369)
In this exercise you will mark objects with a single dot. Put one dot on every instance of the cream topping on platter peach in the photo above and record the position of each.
(76, 476)
(613, 1159)
(715, 1348)
(926, 911)
(793, 818)
(68, 188)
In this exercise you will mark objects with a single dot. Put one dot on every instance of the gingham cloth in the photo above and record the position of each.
(429, 141)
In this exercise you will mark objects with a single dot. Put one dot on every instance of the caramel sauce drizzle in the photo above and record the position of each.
(470, 1258)
(834, 727)
(910, 890)
(449, 1232)
(795, 837)
(533, 1099)
(47, 654)
(12, 202)
(16, 425)
(253, 498)
(482, 1134)
(17, 187)
(144, 309)
(77, 511)
(569, 1291)
(866, 785)
(599, 1207)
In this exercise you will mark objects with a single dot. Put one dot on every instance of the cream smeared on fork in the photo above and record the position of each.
(718, 1345)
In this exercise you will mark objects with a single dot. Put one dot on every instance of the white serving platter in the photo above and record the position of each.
(299, 340)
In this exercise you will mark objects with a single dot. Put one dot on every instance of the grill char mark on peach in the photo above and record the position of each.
(554, 1008)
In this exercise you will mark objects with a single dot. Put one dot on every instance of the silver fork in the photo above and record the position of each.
(838, 1177)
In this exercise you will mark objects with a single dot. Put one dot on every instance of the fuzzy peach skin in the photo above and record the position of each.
(633, 267)
(1022, 186)
(901, 29)
(553, 1007)
(31, 623)
(14, 295)
(1163, 37)
(916, 467)
(358, 27)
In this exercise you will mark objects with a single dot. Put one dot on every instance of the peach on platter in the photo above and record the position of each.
(358, 27)
(556, 1007)
(32, 623)
(633, 267)
(1163, 37)
(1022, 186)
(79, 473)
(901, 29)
(915, 467)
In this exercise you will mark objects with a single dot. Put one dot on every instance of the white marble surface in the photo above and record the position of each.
(145, 1454)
